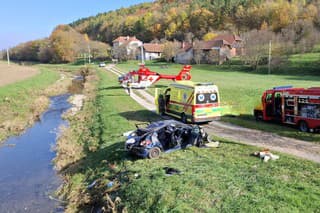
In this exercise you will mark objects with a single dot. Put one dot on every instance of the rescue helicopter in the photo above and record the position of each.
(144, 77)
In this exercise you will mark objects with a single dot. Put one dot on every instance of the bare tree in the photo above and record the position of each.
(170, 50)
(214, 57)
(256, 44)
(120, 53)
(198, 53)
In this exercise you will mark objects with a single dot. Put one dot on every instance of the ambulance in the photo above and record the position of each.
(189, 101)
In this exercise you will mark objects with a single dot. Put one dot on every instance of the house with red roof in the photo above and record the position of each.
(152, 51)
(132, 44)
(235, 42)
(218, 50)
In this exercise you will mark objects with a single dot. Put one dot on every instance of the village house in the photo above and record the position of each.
(235, 42)
(132, 44)
(152, 51)
(218, 50)
(185, 54)
(210, 52)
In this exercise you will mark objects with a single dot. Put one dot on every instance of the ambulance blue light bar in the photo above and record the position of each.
(282, 87)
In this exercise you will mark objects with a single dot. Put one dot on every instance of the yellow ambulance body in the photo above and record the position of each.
(189, 101)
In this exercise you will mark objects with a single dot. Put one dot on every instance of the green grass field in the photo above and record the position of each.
(241, 89)
(226, 179)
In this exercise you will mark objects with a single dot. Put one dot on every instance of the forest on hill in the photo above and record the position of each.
(297, 21)
(171, 19)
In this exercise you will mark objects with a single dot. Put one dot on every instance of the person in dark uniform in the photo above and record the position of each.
(129, 87)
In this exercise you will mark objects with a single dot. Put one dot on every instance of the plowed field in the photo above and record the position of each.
(13, 73)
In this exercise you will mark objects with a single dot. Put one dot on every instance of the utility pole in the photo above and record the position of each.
(269, 58)
(86, 38)
(8, 57)
(89, 54)
(142, 55)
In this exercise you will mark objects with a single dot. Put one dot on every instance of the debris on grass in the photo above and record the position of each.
(213, 144)
(171, 171)
(266, 155)
(92, 184)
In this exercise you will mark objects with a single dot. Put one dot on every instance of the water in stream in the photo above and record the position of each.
(27, 177)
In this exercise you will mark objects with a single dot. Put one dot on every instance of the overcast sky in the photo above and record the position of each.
(25, 20)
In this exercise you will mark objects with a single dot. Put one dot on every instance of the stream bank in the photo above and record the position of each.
(27, 178)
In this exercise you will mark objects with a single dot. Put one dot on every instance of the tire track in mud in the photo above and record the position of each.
(298, 148)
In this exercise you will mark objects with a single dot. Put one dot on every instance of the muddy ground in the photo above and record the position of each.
(13, 73)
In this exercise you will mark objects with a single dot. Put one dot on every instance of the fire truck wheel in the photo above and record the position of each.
(154, 152)
(303, 126)
(258, 115)
(183, 118)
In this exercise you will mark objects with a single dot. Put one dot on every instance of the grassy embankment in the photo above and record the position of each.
(226, 179)
(241, 88)
(23, 102)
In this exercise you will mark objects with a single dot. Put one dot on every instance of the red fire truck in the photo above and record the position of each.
(297, 106)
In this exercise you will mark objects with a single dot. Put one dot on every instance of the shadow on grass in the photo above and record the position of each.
(111, 88)
(140, 115)
(160, 86)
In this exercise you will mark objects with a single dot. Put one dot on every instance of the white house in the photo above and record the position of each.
(152, 51)
(131, 43)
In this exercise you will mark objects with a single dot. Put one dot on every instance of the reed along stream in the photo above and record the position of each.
(27, 176)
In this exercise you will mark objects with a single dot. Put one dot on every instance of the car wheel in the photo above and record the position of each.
(154, 152)
(183, 118)
(303, 126)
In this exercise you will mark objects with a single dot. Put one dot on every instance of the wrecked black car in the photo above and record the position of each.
(163, 136)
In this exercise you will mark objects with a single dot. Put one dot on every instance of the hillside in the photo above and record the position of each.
(293, 26)
(176, 19)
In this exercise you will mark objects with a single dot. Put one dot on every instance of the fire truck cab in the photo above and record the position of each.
(296, 106)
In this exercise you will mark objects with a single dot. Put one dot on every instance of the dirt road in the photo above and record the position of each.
(299, 148)
(14, 73)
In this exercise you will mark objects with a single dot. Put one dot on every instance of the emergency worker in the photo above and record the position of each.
(129, 86)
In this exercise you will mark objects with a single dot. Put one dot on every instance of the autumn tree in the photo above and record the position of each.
(46, 52)
(256, 44)
(120, 53)
(201, 22)
(100, 50)
(170, 50)
(63, 44)
(198, 54)
(209, 36)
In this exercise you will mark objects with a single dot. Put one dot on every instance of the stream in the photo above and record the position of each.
(27, 177)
